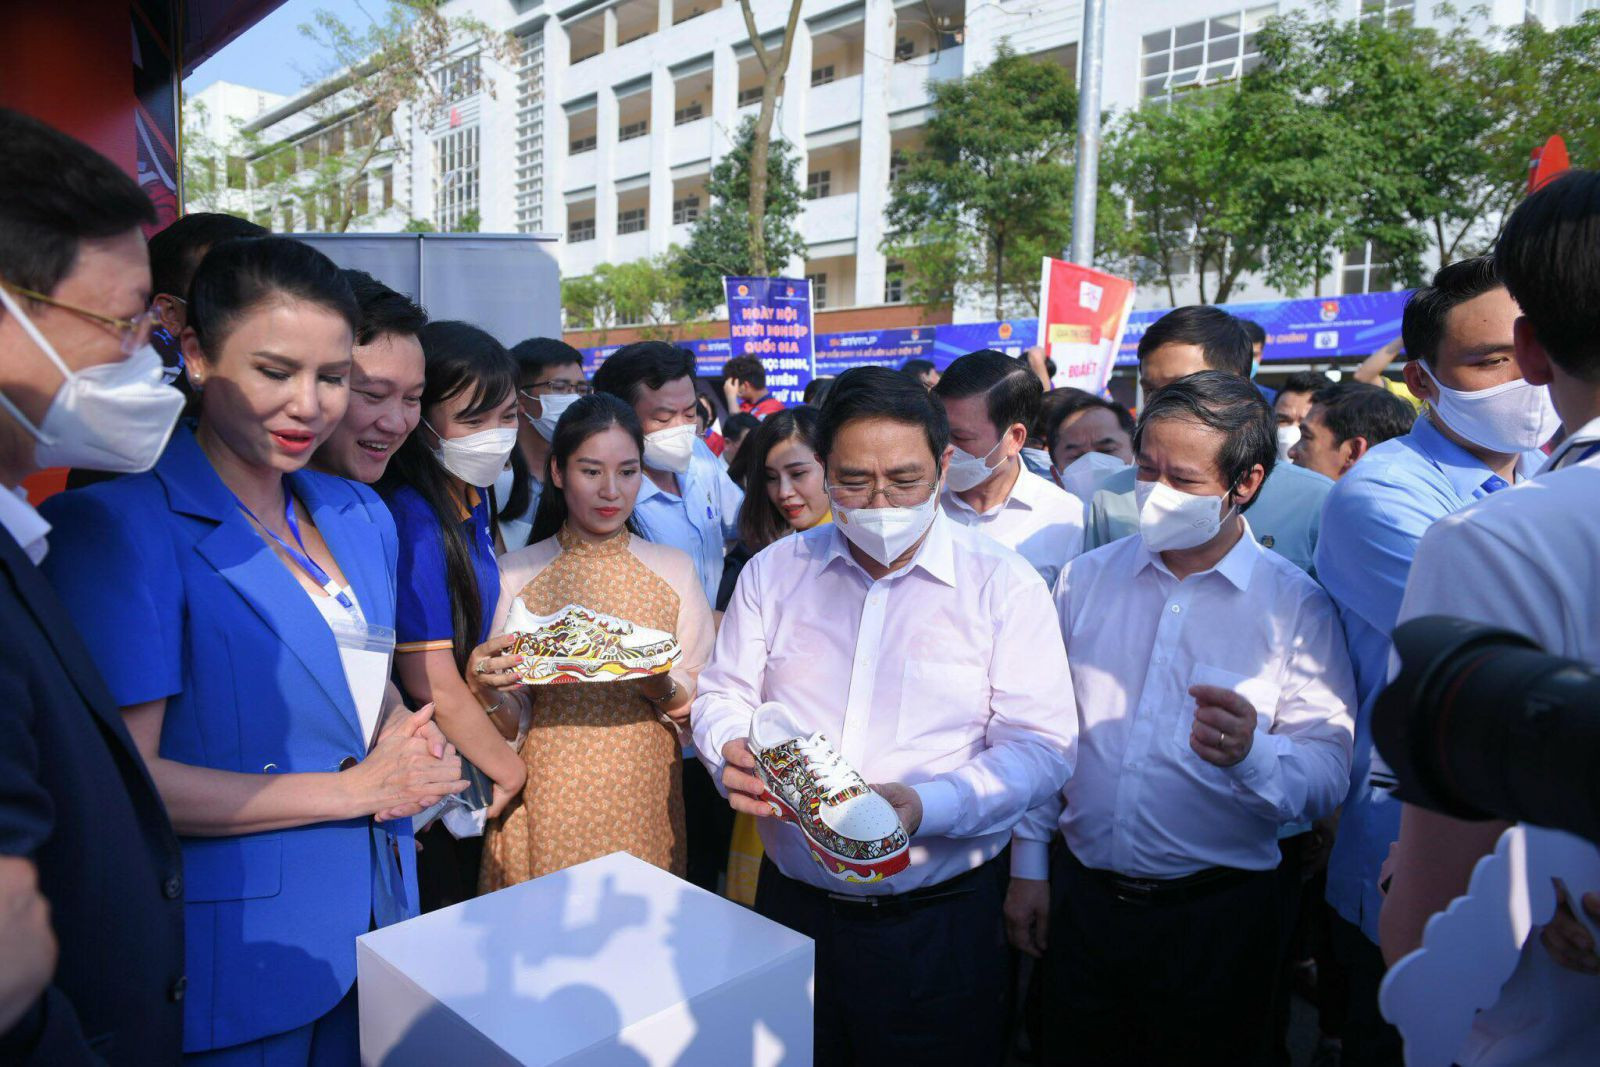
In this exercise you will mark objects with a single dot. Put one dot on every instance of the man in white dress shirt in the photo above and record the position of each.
(991, 400)
(1214, 696)
(927, 656)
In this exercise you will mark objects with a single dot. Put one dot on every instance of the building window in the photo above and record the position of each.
(1387, 9)
(361, 199)
(688, 114)
(455, 177)
(580, 230)
(386, 180)
(897, 165)
(1368, 269)
(904, 49)
(822, 75)
(685, 210)
(286, 211)
(819, 290)
(632, 221)
(581, 144)
(894, 283)
(530, 134)
(751, 95)
(459, 79)
(819, 183)
(1208, 52)
(692, 13)
(633, 130)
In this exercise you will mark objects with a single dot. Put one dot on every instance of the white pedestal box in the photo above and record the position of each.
(613, 963)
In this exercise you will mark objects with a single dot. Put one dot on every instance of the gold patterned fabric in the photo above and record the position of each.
(604, 771)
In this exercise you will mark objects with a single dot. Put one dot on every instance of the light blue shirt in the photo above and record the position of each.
(1370, 528)
(699, 521)
(1286, 515)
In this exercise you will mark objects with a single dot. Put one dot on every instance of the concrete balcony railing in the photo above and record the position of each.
(908, 81)
(691, 142)
(631, 157)
(631, 246)
(835, 104)
(829, 218)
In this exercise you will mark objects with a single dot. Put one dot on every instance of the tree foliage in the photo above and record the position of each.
(647, 293)
(990, 192)
(719, 242)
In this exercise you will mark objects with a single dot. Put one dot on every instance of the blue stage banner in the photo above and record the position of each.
(1301, 331)
(770, 318)
(1013, 337)
(838, 352)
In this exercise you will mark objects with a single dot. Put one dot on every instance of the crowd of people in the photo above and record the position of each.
(1114, 674)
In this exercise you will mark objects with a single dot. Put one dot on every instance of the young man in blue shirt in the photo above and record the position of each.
(1480, 434)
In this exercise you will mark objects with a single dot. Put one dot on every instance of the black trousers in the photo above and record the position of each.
(708, 823)
(1177, 981)
(922, 984)
(1369, 1040)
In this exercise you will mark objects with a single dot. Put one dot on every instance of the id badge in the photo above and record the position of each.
(366, 652)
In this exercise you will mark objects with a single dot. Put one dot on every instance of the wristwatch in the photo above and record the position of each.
(658, 701)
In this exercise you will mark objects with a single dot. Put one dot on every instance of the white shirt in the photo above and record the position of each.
(25, 525)
(1041, 522)
(946, 674)
(1141, 802)
(1533, 554)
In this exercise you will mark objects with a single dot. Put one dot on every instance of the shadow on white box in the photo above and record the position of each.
(613, 963)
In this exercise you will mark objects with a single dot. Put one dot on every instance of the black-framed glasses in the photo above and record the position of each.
(895, 494)
(556, 385)
(133, 333)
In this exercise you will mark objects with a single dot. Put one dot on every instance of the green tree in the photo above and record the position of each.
(991, 190)
(719, 241)
(774, 66)
(646, 293)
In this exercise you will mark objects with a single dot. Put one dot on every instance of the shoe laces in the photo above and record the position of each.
(832, 773)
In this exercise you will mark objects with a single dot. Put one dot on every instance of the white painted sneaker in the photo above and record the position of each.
(853, 832)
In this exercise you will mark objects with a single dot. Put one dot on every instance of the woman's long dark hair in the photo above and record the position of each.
(588, 415)
(760, 521)
(458, 358)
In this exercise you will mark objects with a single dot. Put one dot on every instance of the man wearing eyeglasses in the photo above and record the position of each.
(549, 379)
(929, 656)
(79, 386)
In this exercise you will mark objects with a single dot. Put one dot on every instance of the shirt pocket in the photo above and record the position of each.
(232, 868)
(943, 706)
(1262, 695)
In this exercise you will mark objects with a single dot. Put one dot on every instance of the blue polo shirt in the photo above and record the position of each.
(1370, 528)
(699, 521)
(422, 604)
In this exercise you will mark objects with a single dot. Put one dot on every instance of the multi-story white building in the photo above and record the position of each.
(607, 128)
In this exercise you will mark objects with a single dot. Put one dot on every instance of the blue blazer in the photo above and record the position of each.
(179, 598)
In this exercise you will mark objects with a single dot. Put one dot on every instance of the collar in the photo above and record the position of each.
(936, 557)
(1024, 493)
(1575, 445)
(194, 487)
(26, 526)
(474, 498)
(1237, 566)
(1466, 472)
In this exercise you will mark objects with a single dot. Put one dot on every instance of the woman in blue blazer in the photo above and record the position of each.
(235, 602)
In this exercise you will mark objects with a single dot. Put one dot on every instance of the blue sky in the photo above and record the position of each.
(273, 54)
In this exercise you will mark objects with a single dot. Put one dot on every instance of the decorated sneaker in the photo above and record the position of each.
(579, 645)
(854, 833)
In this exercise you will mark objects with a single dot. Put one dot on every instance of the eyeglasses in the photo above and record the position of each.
(895, 494)
(558, 385)
(133, 332)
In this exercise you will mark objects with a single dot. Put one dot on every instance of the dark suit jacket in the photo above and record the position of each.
(75, 796)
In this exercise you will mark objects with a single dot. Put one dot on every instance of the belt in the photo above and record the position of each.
(890, 905)
(1196, 886)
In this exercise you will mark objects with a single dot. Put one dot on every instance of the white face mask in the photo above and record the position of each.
(1036, 458)
(1509, 418)
(1084, 474)
(967, 471)
(1170, 519)
(550, 408)
(885, 533)
(670, 450)
(1288, 437)
(477, 458)
(503, 484)
(110, 417)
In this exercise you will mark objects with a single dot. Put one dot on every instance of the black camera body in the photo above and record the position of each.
(1481, 723)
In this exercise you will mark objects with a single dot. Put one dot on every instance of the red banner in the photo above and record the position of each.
(1082, 313)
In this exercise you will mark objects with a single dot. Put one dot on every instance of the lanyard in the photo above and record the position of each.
(299, 555)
